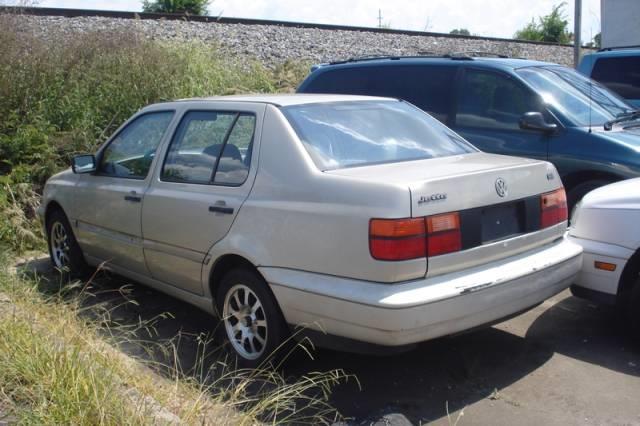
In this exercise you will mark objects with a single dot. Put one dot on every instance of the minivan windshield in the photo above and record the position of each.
(358, 133)
(582, 100)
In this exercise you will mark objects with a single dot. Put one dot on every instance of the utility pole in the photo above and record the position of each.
(577, 33)
(379, 18)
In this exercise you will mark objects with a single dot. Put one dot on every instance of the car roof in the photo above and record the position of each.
(285, 99)
(481, 62)
(612, 52)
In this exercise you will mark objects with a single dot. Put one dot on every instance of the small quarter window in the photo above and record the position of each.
(130, 153)
(233, 167)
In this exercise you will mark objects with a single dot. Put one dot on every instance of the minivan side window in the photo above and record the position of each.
(130, 153)
(493, 101)
(210, 146)
(428, 88)
(622, 75)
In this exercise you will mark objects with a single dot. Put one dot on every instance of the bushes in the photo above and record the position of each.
(66, 95)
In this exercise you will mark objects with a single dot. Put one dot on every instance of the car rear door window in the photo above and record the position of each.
(210, 146)
(427, 87)
(130, 153)
(494, 101)
(622, 75)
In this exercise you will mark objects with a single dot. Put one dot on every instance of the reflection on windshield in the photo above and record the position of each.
(347, 134)
(581, 100)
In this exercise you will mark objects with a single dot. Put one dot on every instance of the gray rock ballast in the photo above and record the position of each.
(273, 44)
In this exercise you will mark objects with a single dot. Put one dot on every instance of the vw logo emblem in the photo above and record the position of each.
(501, 187)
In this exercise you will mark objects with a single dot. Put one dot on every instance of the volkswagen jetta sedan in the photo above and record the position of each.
(363, 219)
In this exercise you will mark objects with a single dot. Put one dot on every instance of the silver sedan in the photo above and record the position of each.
(365, 220)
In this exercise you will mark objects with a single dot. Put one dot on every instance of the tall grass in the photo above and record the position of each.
(59, 365)
(66, 94)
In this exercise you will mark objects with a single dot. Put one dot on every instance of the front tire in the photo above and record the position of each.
(64, 251)
(252, 321)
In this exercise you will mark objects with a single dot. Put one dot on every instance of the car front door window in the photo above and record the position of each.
(130, 153)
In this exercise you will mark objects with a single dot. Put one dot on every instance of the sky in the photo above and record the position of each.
(496, 18)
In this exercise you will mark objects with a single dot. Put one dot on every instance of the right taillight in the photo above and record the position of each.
(553, 208)
(443, 234)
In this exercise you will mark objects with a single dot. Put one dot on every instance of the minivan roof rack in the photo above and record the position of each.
(383, 56)
(478, 54)
(609, 49)
(465, 55)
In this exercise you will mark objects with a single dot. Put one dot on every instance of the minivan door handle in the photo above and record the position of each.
(221, 209)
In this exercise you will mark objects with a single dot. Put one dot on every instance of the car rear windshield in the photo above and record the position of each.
(350, 134)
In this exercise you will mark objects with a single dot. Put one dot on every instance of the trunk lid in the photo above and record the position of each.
(462, 182)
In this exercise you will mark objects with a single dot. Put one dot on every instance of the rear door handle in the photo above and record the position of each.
(221, 209)
(133, 198)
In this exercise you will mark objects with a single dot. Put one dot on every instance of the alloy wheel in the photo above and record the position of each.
(245, 322)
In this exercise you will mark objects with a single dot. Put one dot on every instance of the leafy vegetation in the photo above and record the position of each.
(66, 95)
(550, 28)
(460, 31)
(58, 362)
(193, 7)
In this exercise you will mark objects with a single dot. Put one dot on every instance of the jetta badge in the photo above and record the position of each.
(501, 187)
(432, 198)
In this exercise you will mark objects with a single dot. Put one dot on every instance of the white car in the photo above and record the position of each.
(605, 224)
(364, 219)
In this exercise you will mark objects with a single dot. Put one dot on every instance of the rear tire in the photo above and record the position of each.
(64, 251)
(251, 318)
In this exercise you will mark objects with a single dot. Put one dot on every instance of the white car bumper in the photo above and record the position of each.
(600, 280)
(414, 311)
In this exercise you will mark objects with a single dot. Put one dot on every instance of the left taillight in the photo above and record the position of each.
(406, 239)
(553, 208)
(397, 239)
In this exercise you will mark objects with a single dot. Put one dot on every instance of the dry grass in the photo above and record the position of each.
(57, 367)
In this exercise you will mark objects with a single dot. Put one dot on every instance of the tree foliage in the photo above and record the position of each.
(193, 7)
(460, 31)
(550, 28)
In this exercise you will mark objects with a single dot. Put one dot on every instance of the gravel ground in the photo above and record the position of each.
(566, 362)
(274, 44)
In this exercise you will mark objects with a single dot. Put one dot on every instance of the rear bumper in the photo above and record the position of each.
(599, 280)
(410, 312)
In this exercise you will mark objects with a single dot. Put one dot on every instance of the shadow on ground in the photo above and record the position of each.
(414, 387)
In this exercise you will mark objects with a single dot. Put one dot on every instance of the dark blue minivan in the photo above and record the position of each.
(507, 106)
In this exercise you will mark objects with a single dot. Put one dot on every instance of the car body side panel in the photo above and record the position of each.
(319, 224)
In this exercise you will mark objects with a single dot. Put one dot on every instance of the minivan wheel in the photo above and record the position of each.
(253, 323)
(577, 192)
(64, 251)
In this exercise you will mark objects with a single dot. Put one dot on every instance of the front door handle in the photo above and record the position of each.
(221, 209)
(133, 198)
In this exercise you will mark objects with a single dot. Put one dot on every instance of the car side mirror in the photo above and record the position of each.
(83, 164)
(536, 121)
